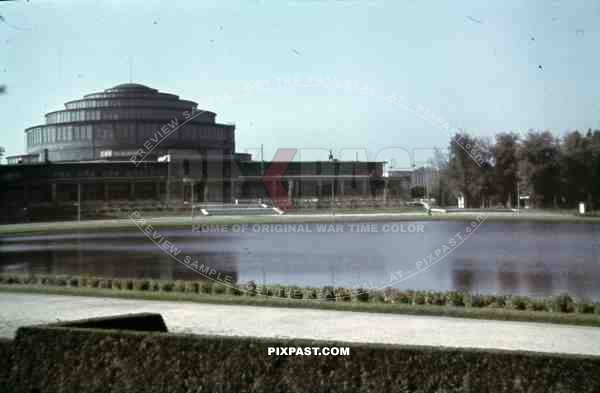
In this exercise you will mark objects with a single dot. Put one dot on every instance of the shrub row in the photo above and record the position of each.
(142, 285)
(563, 303)
(6, 363)
(65, 360)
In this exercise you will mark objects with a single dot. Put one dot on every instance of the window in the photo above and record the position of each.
(132, 133)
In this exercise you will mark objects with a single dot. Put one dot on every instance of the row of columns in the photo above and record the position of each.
(339, 191)
(78, 192)
(293, 188)
(203, 194)
(106, 191)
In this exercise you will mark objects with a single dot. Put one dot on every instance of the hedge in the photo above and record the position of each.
(562, 303)
(6, 361)
(60, 359)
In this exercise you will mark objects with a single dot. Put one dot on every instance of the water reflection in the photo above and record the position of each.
(123, 255)
(530, 259)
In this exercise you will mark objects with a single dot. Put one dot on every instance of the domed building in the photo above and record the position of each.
(133, 147)
(116, 123)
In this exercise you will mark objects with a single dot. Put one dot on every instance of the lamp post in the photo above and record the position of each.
(168, 183)
(332, 185)
(518, 198)
(78, 202)
(192, 197)
(518, 192)
(333, 197)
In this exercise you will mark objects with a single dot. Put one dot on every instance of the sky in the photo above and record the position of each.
(429, 68)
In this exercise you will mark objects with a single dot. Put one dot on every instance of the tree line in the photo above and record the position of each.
(555, 172)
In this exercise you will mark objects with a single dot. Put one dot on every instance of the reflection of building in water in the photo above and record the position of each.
(463, 280)
(580, 277)
(225, 265)
(508, 276)
(537, 279)
(106, 257)
(467, 275)
(476, 276)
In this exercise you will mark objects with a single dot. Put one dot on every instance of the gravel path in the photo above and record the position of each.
(182, 317)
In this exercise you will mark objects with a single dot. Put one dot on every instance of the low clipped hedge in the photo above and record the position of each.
(6, 363)
(563, 303)
(60, 359)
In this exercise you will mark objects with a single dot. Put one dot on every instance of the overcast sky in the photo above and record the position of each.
(473, 65)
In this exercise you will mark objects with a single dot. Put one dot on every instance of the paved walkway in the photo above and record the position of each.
(27, 309)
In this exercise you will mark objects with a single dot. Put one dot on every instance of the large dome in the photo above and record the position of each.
(118, 121)
(131, 86)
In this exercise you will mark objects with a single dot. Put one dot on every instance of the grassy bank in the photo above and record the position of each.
(346, 216)
(559, 309)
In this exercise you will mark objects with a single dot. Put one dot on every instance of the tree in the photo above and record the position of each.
(506, 167)
(440, 189)
(539, 156)
(551, 170)
(470, 166)
(593, 140)
(575, 168)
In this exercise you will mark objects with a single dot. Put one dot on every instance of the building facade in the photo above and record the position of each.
(116, 123)
(92, 159)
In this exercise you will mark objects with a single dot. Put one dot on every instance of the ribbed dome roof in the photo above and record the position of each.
(131, 88)
(127, 101)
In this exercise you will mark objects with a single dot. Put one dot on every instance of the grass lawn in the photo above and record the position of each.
(340, 217)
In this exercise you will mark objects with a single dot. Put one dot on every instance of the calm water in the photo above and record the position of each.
(526, 258)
